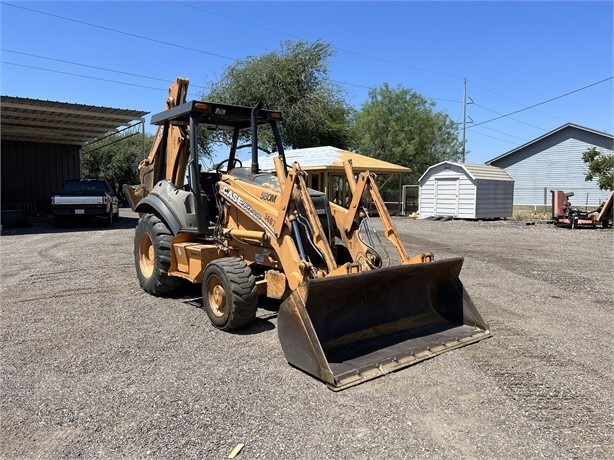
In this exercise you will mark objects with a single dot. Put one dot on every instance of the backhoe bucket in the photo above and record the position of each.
(345, 330)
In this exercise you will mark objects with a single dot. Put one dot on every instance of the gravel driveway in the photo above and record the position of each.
(93, 367)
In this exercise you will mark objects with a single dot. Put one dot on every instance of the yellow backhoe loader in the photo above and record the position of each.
(344, 316)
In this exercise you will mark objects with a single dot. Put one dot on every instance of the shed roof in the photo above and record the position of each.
(35, 120)
(476, 171)
(560, 128)
(331, 159)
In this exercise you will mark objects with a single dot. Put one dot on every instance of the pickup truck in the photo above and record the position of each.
(83, 199)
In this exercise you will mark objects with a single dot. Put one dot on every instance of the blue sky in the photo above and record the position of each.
(513, 54)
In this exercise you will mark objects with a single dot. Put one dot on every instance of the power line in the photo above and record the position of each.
(143, 76)
(84, 76)
(511, 118)
(109, 29)
(496, 138)
(301, 38)
(510, 99)
(370, 87)
(505, 134)
(235, 59)
(239, 20)
(92, 67)
(194, 49)
(398, 64)
(543, 102)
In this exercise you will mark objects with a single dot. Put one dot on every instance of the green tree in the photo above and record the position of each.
(116, 159)
(294, 81)
(600, 167)
(402, 127)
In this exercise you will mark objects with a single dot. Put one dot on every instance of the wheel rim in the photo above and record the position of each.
(146, 255)
(216, 296)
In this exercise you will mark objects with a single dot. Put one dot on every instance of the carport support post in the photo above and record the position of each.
(80, 162)
(402, 207)
(143, 131)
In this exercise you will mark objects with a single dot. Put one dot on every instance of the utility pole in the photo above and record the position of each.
(464, 114)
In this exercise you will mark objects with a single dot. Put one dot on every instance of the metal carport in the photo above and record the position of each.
(41, 143)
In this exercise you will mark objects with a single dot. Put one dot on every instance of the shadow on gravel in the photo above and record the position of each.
(267, 310)
(46, 224)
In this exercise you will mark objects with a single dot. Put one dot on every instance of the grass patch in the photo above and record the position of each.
(532, 213)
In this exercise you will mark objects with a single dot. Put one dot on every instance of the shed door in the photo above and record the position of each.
(446, 196)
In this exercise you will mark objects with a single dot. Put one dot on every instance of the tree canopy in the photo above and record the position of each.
(600, 167)
(295, 81)
(401, 126)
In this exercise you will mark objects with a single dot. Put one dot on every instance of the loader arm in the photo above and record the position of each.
(277, 218)
(296, 180)
(366, 183)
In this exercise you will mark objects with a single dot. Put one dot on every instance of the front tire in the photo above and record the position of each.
(229, 293)
(152, 256)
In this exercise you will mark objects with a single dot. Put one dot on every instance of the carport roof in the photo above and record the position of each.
(35, 120)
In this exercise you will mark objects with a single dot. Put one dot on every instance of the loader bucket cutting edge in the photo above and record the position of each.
(345, 330)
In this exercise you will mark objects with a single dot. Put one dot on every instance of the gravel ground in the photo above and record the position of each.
(92, 367)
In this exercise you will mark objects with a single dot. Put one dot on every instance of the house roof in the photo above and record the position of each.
(331, 159)
(35, 120)
(476, 171)
(560, 128)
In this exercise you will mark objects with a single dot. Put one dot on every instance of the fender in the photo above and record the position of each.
(153, 203)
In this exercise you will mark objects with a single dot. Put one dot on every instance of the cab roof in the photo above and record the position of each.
(214, 116)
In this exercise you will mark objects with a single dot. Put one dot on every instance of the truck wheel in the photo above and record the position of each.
(229, 293)
(109, 219)
(152, 256)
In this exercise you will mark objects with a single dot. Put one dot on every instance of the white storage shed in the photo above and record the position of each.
(466, 191)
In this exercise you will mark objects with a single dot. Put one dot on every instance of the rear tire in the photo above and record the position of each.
(109, 219)
(152, 256)
(229, 293)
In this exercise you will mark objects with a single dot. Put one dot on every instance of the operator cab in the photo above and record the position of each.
(193, 207)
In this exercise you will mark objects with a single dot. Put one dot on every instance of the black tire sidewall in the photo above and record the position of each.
(240, 290)
(158, 283)
(214, 269)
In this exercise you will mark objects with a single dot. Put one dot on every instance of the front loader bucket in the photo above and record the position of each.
(345, 330)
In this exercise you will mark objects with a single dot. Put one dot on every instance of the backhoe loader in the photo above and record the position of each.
(242, 233)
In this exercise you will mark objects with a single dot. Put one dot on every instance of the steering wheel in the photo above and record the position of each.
(219, 170)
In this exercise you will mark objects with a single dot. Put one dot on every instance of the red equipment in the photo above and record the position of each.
(563, 215)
